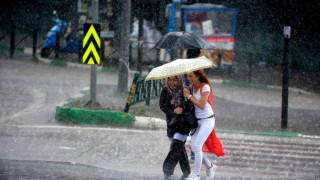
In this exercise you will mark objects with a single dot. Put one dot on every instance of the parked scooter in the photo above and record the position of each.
(49, 45)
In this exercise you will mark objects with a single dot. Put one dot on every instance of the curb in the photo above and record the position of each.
(149, 123)
(86, 116)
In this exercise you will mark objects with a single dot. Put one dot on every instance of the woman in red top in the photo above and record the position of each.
(204, 138)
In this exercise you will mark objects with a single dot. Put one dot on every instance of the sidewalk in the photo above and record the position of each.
(240, 108)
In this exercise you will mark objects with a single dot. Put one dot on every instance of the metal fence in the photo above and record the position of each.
(143, 90)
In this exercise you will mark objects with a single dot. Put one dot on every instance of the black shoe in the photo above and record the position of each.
(168, 177)
(184, 176)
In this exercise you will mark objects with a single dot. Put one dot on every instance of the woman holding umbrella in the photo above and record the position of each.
(171, 104)
(204, 139)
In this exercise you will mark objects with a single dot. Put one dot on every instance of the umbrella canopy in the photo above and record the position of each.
(178, 67)
(182, 40)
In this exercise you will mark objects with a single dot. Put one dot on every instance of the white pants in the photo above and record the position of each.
(205, 127)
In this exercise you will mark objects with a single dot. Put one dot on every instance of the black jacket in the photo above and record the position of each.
(166, 107)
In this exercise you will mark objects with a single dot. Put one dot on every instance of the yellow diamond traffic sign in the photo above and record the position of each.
(91, 44)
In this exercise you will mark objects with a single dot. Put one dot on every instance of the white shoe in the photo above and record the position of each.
(193, 176)
(210, 172)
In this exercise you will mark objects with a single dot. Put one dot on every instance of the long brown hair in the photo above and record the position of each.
(202, 77)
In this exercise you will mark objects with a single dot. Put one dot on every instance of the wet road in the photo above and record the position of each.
(64, 150)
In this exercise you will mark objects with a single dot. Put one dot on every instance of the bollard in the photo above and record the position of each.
(132, 91)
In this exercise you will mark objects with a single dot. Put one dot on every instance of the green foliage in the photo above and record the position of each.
(96, 117)
(260, 47)
(305, 54)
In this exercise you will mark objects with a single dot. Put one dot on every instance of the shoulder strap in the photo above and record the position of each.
(203, 84)
(210, 95)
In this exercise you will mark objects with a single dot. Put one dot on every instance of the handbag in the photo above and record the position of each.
(185, 122)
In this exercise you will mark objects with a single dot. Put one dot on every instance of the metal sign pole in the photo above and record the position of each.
(94, 10)
(285, 65)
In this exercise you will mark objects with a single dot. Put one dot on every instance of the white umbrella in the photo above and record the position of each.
(178, 67)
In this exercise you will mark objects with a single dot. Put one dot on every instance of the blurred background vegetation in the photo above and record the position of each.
(259, 28)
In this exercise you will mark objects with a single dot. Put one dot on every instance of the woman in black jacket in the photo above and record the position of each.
(171, 104)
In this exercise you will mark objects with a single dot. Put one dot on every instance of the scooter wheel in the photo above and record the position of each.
(45, 52)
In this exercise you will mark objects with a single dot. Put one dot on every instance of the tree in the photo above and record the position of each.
(124, 46)
(27, 15)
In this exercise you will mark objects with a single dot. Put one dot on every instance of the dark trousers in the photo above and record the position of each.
(176, 154)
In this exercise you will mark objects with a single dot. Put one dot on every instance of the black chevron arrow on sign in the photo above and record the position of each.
(91, 44)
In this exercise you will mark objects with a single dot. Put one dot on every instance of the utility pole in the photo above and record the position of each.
(124, 46)
(94, 13)
(287, 6)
